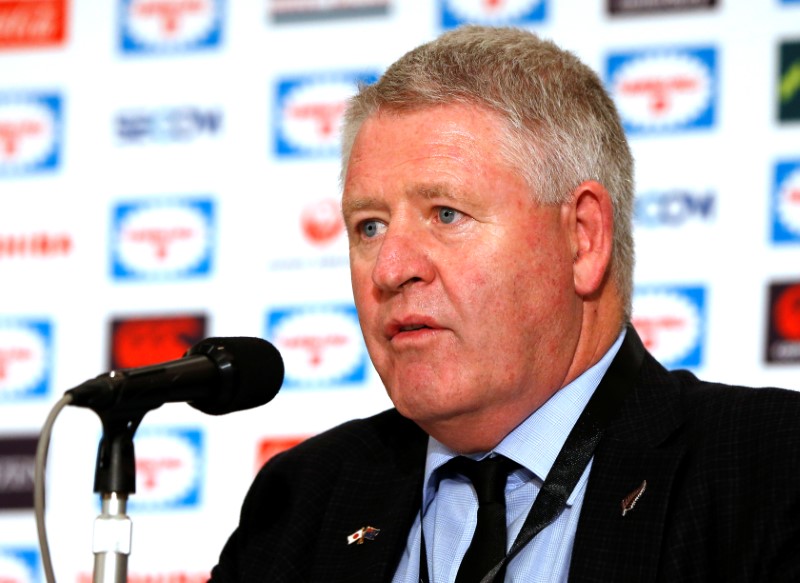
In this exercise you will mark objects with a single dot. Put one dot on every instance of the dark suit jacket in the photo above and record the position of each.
(722, 501)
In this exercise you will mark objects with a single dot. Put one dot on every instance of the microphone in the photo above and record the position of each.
(216, 376)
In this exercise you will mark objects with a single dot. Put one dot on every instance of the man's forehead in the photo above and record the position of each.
(444, 118)
(435, 134)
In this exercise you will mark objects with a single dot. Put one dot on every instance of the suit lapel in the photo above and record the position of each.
(635, 462)
(610, 545)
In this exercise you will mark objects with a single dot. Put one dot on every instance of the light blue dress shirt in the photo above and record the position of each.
(450, 504)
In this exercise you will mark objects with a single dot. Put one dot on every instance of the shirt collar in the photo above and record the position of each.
(534, 443)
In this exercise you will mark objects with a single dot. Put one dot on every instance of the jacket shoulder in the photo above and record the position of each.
(305, 501)
(369, 440)
(749, 413)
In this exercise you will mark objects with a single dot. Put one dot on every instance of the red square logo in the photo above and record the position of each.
(32, 23)
(142, 341)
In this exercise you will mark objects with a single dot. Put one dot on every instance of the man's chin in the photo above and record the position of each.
(434, 418)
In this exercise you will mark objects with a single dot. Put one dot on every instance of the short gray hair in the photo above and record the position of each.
(562, 126)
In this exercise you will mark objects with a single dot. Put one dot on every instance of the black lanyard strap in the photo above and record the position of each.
(575, 453)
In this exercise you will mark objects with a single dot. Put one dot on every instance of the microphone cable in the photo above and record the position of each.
(39, 486)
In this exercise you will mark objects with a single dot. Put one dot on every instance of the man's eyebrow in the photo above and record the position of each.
(431, 191)
(354, 204)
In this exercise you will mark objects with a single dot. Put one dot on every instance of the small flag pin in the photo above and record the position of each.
(362, 534)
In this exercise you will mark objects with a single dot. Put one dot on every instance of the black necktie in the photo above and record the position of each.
(488, 546)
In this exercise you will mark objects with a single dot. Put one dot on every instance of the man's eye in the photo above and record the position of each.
(371, 229)
(448, 215)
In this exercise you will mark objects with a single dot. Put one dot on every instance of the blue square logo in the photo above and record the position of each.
(30, 133)
(454, 13)
(169, 26)
(309, 111)
(26, 347)
(321, 345)
(785, 211)
(671, 321)
(670, 89)
(162, 239)
(169, 468)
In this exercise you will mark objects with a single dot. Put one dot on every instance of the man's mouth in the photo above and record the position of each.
(413, 327)
(408, 326)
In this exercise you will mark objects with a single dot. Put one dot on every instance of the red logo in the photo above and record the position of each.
(650, 327)
(40, 245)
(170, 13)
(149, 470)
(144, 341)
(658, 93)
(32, 23)
(160, 239)
(314, 346)
(786, 313)
(12, 132)
(324, 116)
(272, 446)
(11, 356)
(322, 222)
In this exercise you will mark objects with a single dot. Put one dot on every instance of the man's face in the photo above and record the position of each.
(463, 285)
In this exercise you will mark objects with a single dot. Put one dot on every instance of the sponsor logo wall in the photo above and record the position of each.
(169, 172)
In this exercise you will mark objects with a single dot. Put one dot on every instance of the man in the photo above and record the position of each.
(487, 193)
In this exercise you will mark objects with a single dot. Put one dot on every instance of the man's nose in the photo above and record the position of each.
(404, 258)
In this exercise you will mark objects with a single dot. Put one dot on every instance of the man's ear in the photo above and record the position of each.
(592, 234)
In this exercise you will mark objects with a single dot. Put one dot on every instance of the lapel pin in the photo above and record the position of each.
(631, 499)
(362, 534)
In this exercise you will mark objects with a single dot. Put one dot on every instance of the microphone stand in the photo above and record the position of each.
(115, 479)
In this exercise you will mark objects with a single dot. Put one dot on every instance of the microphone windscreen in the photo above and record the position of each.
(251, 371)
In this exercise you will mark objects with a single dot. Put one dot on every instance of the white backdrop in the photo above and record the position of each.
(168, 172)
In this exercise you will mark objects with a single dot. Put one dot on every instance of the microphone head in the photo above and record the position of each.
(251, 371)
